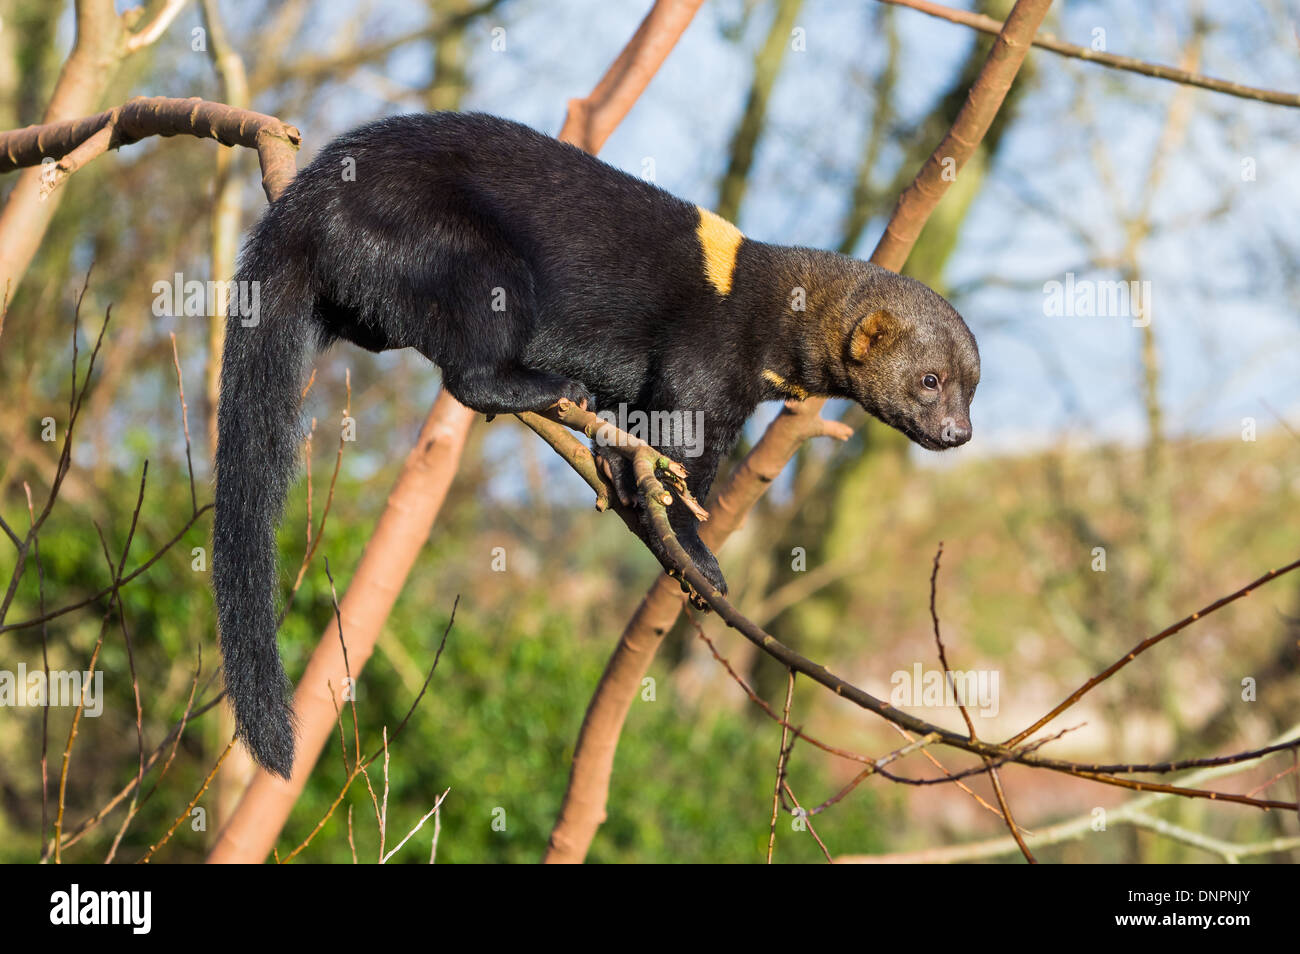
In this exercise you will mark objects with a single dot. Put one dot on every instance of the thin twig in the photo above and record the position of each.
(986, 24)
(361, 766)
(190, 807)
(1148, 643)
(808, 821)
(418, 825)
(185, 424)
(780, 763)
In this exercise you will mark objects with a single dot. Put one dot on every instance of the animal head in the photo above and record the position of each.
(909, 359)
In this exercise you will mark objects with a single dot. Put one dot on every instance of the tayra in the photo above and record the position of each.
(529, 271)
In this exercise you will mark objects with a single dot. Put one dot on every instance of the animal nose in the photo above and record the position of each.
(954, 435)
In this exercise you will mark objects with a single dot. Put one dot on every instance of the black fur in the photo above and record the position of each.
(605, 300)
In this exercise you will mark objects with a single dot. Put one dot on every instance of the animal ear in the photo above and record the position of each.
(870, 333)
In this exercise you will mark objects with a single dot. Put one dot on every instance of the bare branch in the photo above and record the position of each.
(76, 141)
(590, 120)
(1046, 41)
(155, 28)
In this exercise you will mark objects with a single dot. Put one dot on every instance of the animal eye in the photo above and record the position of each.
(930, 382)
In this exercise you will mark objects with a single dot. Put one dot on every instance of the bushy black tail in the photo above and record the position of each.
(257, 447)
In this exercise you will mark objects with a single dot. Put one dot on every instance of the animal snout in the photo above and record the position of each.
(955, 433)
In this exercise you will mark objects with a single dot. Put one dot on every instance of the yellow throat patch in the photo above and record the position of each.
(784, 386)
(719, 242)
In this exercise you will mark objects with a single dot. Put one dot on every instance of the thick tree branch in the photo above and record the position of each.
(102, 44)
(590, 120)
(75, 141)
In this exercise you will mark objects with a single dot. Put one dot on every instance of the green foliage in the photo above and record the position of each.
(497, 725)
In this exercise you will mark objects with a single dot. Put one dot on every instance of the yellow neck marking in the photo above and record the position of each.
(784, 386)
(719, 241)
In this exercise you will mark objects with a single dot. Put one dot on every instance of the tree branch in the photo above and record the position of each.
(155, 28)
(75, 141)
(101, 46)
(1046, 41)
(591, 119)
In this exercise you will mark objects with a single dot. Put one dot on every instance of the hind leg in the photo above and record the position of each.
(480, 355)
(479, 327)
(509, 388)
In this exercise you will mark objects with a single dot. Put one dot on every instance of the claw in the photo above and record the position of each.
(692, 595)
(623, 497)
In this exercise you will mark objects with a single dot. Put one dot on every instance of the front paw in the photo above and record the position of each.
(576, 392)
(704, 561)
(618, 470)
